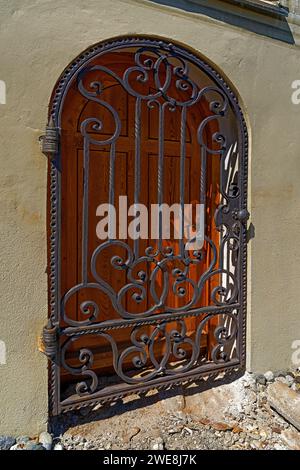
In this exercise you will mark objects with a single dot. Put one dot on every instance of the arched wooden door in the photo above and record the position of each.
(147, 121)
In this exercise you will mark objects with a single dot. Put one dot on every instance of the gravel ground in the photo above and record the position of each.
(244, 420)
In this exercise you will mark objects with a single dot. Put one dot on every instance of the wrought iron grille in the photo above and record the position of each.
(180, 80)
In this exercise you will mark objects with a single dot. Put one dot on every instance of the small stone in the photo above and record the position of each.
(291, 439)
(261, 379)
(204, 421)
(33, 446)
(188, 430)
(176, 430)
(237, 429)
(6, 442)
(255, 436)
(87, 446)
(180, 415)
(58, 446)
(286, 402)
(221, 426)
(281, 380)
(278, 447)
(22, 439)
(46, 440)
(251, 427)
(17, 447)
(158, 444)
(276, 429)
(263, 434)
(251, 397)
(289, 380)
(280, 373)
(269, 376)
(227, 437)
(257, 445)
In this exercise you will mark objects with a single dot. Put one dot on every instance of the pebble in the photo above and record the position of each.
(289, 380)
(247, 409)
(263, 434)
(17, 447)
(175, 430)
(281, 379)
(227, 438)
(278, 447)
(88, 446)
(22, 439)
(256, 445)
(237, 429)
(33, 446)
(6, 442)
(30, 445)
(280, 373)
(58, 446)
(269, 376)
(46, 440)
(276, 429)
(158, 444)
(261, 379)
(181, 416)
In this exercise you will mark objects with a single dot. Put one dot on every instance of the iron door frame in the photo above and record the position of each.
(236, 214)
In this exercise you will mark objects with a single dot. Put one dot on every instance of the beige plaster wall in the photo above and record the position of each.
(38, 38)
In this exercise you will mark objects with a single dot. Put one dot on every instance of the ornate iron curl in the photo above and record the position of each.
(172, 62)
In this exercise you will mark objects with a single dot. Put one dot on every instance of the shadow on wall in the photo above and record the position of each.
(272, 25)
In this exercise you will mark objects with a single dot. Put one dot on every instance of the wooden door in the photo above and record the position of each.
(76, 110)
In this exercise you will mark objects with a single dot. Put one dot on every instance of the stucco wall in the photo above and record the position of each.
(38, 38)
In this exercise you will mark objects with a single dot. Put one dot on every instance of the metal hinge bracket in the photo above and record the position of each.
(50, 140)
(49, 339)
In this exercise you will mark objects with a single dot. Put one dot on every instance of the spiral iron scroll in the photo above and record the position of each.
(165, 67)
(181, 352)
(137, 364)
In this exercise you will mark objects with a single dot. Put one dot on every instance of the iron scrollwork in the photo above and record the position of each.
(167, 66)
